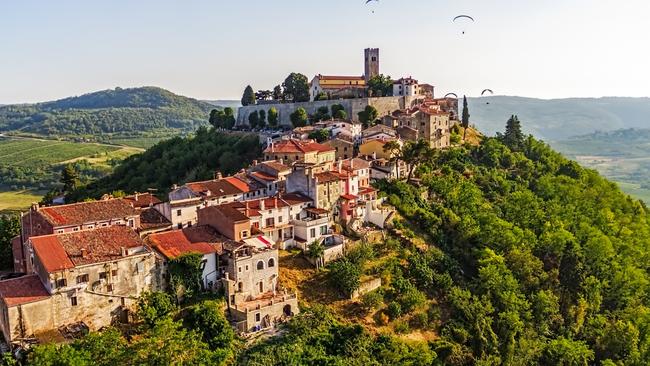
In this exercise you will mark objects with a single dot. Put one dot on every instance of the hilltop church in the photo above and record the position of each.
(336, 87)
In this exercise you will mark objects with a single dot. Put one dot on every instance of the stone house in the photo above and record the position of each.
(307, 151)
(149, 207)
(92, 276)
(68, 219)
(430, 122)
(251, 285)
(336, 87)
(378, 132)
(343, 146)
(272, 174)
(321, 186)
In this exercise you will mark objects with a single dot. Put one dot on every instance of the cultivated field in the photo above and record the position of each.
(39, 153)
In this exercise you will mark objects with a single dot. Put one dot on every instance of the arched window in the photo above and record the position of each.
(260, 265)
(271, 262)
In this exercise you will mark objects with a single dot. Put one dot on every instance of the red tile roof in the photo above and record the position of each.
(355, 164)
(150, 218)
(263, 176)
(22, 290)
(217, 188)
(326, 177)
(334, 77)
(276, 166)
(62, 251)
(80, 213)
(232, 211)
(142, 200)
(293, 146)
(197, 239)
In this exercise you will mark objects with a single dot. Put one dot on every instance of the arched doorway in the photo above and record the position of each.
(287, 310)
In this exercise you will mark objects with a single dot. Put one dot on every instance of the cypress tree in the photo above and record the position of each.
(513, 137)
(249, 96)
(465, 117)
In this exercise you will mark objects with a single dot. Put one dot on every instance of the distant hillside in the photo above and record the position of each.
(234, 104)
(108, 111)
(557, 119)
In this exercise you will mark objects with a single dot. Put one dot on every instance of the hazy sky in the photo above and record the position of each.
(212, 49)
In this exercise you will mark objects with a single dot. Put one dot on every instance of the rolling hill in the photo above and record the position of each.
(558, 119)
(117, 111)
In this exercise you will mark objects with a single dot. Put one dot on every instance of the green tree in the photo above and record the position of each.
(299, 117)
(262, 121)
(185, 275)
(345, 276)
(380, 86)
(69, 178)
(254, 119)
(273, 117)
(368, 116)
(9, 229)
(59, 355)
(567, 352)
(248, 98)
(228, 118)
(338, 112)
(207, 318)
(322, 114)
(277, 93)
(415, 153)
(296, 88)
(394, 149)
(315, 252)
(465, 117)
(154, 306)
(320, 135)
(513, 137)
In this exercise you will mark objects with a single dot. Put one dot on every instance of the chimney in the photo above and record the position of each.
(136, 195)
(218, 175)
(374, 155)
(84, 253)
(262, 205)
(123, 251)
(352, 164)
(272, 146)
(280, 160)
(340, 165)
(275, 202)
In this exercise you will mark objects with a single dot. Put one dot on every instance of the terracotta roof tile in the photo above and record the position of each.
(293, 146)
(216, 188)
(79, 213)
(22, 290)
(150, 218)
(326, 177)
(335, 77)
(197, 239)
(142, 200)
(62, 251)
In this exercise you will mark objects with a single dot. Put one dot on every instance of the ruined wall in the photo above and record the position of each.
(366, 287)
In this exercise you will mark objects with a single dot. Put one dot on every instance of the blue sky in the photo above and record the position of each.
(212, 49)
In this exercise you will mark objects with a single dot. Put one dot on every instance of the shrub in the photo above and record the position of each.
(154, 306)
(401, 327)
(394, 310)
(345, 276)
(420, 320)
(372, 300)
(361, 253)
(411, 299)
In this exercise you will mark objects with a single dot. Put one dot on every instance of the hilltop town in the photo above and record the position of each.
(85, 264)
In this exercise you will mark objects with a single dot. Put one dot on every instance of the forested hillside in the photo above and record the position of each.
(557, 119)
(124, 111)
(176, 161)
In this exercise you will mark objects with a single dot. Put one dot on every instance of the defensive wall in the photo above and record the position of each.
(384, 106)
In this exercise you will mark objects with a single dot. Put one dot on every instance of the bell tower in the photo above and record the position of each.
(371, 63)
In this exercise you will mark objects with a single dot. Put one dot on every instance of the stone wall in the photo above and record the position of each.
(366, 287)
(384, 106)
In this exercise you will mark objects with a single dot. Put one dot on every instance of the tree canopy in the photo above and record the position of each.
(248, 98)
(296, 88)
(380, 86)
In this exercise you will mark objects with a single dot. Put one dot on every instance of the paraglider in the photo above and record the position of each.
(454, 94)
(487, 91)
(372, 1)
(463, 18)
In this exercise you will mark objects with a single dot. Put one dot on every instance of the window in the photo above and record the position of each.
(297, 216)
(82, 278)
(271, 262)
(90, 227)
(270, 221)
(131, 223)
(323, 230)
(244, 234)
(312, 233)
(232, 299)
(258, 317)
(279, 218)
(202, 266)
(73, 301)
(240, 286)
(60, 231)
(75, 229)
(114, 273)
(103, 275)
(109, 287)
(239, 269)
(247, 268)
(260, 265)
(61, 282)
(104, 224)
(178, 212)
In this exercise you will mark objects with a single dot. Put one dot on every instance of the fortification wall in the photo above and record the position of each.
(384, 106)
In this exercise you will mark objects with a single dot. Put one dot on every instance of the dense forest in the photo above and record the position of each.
(176, 161)
(107, 112)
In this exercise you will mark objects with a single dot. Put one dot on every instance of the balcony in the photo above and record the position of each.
(308, 222)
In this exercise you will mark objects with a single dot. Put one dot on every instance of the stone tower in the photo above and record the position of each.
(371, 62)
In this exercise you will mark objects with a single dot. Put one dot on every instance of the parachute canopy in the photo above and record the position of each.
(456, 18)
(487, 91)
(463, 20)
(454, 94)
